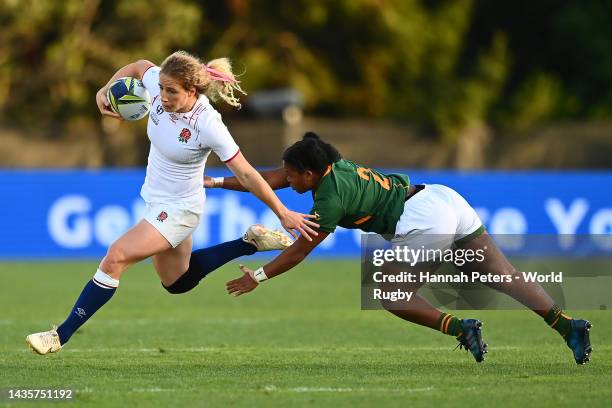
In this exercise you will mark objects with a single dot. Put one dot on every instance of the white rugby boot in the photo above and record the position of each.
(44, 342)
(266, 239)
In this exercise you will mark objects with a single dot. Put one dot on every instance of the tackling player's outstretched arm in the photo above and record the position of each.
(275, 178)
(289, 258)
(252, 180)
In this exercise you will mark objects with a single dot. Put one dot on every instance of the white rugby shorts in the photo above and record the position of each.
(436, 217)
(175, 222)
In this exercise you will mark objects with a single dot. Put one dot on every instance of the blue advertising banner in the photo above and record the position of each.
(79, 213)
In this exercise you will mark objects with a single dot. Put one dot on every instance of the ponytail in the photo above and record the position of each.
(311, 153)
(222, 83)
(215, 79)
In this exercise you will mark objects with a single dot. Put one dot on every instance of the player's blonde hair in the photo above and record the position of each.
(213, 79)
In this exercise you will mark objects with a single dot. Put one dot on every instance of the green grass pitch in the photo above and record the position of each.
(298, 340)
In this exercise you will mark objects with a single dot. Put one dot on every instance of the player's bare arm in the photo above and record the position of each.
(288, 259)
(134, 70)
(276, 178)
(253, 181)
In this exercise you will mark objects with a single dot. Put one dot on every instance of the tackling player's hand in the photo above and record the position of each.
(292, 220)
(244, 284)
(209, 182)
(104, 105)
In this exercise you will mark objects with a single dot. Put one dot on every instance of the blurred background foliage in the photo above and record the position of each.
(453, 68)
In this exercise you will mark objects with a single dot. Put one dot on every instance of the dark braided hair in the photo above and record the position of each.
(311, 153)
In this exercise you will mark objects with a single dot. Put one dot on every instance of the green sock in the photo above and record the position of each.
(449, 324)
(558, 320)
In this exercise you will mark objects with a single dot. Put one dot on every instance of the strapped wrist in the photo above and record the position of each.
(218, 181)
(259, 275)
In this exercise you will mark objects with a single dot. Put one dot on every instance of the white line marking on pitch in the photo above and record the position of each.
(281, 349)
(144, 322)
(245, 321)
(238, 349)
(272, 388)
(154, 389)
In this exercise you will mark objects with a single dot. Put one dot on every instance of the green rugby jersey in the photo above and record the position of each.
(357, 197)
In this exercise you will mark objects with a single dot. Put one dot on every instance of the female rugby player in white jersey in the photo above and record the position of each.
(183, 128)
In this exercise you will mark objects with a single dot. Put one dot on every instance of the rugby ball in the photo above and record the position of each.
(129, 98)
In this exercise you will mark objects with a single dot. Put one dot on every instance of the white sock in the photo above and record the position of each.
(104, 281)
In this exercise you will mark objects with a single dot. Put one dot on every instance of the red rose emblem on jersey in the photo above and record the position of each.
(162, 216)
(185, 135)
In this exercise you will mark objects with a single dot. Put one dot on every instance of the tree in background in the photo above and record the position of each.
(456, 68)
(56, 54)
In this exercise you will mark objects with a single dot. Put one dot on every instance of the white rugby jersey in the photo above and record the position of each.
(180, 145)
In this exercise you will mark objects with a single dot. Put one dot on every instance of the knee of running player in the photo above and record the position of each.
(187, 280)
(115, 262)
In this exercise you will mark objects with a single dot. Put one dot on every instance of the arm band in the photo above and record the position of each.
(260, 275)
